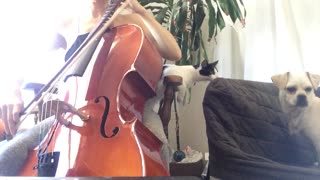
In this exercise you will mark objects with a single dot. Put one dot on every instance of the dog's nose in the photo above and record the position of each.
(302, 100)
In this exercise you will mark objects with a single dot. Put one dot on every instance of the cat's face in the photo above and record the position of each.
(207, 69)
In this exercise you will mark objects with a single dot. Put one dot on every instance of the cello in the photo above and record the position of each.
(99, 131)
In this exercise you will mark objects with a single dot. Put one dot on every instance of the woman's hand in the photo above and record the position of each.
(155, 32)
(136, 7)
(10, 114)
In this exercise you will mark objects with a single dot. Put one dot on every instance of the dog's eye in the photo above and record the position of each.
(308, 89)
(291, 89)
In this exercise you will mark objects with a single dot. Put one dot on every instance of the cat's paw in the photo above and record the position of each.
(180, 96)
(180, 99)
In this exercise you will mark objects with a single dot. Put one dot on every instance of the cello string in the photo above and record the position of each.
(43, 115)
(45, 108)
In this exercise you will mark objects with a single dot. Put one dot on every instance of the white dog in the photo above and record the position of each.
(299, 102)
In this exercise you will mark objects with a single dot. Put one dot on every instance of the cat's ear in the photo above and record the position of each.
(215, 63)
(204, 63)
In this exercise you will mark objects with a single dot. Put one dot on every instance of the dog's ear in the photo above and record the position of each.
(315, 79)
(280, 80)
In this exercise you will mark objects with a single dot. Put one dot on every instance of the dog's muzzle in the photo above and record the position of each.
(302, 101)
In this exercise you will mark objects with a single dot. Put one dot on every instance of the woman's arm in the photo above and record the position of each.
(155, 32)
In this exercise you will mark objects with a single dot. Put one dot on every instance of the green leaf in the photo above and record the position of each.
(170, 4)
(194, 2)
(198, 57)
(196, 42)
(146, 2)
(184, 48)
(205, 55)
(224, 5)
(231, 8)
(173, 24)
(212, 22)
(193, 29)
(239, 13)
(234, 10)
(199, 15)
(161, 15)
(157, 7)
(245, 11)
(220, 20)
(181, 19)
(179, 38)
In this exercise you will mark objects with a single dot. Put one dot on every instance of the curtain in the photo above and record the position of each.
(279, 36)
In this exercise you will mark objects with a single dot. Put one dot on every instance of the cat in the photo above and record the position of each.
(191, 74)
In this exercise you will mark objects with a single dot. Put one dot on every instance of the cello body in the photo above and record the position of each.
(113, 141)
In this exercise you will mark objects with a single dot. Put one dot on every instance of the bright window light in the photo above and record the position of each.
(26, 33)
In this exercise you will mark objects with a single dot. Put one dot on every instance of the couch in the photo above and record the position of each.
(248, 136)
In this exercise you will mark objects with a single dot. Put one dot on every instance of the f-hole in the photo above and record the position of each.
(104, 118)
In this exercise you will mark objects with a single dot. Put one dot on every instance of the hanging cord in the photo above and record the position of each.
(177, 122)
(178, 155)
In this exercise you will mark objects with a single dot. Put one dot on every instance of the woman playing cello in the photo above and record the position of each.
(162, 39)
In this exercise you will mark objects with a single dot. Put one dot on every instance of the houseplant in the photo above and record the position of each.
(184, 19)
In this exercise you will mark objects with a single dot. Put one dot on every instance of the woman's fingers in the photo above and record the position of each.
(135, 6)
(10, 115)
(12, 122)
(4, 117)
(17, 109)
